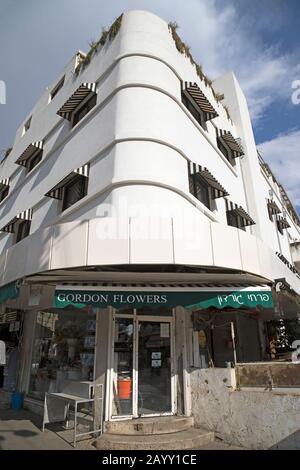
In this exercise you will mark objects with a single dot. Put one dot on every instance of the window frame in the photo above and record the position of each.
(226, 151)
(193, 181)
(270, 213)
(4, 193)
(69, 185)
(81, 106)
(35, 158)
(23, 230)
(238, 219)
(27, 125)
(280, 229)
(56, 89)
(195, 111)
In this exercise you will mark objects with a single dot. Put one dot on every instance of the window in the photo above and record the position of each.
(63, 352)
(200, 190)
(4, 193)
(34, 160)
(279, 227)
(57, 88)
(84, 109)
(226, 152)
(198, 114)
(23, 230)
(26, 125)
(270, 213)
(75, 190)
(234, 220)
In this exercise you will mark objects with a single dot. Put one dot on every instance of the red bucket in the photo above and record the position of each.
(124, 388)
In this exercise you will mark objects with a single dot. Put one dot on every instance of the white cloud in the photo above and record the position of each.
(283, 154)
(227, 35)
(223, 38)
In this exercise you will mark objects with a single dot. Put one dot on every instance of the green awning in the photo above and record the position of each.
(9, 292)
(137, 299)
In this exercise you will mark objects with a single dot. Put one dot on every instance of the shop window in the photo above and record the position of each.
(200, 190)
(10, 333)
(75, 190)
(23, 230)
(197, 114)
(84, 109)
(63, 353)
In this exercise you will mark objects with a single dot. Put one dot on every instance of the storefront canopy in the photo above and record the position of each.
(9, 292)
(156, 299)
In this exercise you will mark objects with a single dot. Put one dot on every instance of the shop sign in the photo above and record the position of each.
(9, 292)
(138, 299)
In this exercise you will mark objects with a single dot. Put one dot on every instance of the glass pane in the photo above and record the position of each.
(201, 192)
(232, 219)
(123, 367)
(75, 191)
(63, 353)
(155, 311)
(154, 375)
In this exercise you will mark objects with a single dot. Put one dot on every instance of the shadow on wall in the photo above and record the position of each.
(291, 442)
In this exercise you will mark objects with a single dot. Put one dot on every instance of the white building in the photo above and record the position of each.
(135, 209)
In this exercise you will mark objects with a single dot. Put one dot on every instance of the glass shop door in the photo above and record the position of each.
(154, 378)
(143, 379)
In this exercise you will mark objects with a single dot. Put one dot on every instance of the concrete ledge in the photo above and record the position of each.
(269, 374)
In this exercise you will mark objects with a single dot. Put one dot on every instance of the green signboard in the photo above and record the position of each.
(10, 291)
(137, 299)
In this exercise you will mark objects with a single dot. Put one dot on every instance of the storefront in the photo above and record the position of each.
(139, 342)
(11, 323)
(62, 352)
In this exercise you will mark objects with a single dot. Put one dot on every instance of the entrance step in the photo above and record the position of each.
(189, 439)
(150, 426)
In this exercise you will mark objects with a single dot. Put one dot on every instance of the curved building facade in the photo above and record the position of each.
(142, 235)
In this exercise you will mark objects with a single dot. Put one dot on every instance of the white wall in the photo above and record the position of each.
(252, 419)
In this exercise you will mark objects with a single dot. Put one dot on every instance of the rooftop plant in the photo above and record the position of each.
(185, 49)
(95, 46)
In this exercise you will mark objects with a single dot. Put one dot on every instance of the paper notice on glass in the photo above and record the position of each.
(156, 363)
(164, 330)
(156, 355)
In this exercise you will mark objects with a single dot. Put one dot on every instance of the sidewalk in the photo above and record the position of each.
(21, 430)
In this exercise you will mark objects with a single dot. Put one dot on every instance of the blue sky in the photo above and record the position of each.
(258, 40)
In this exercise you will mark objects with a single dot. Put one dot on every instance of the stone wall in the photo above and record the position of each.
(255, 418)
(274, 374)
